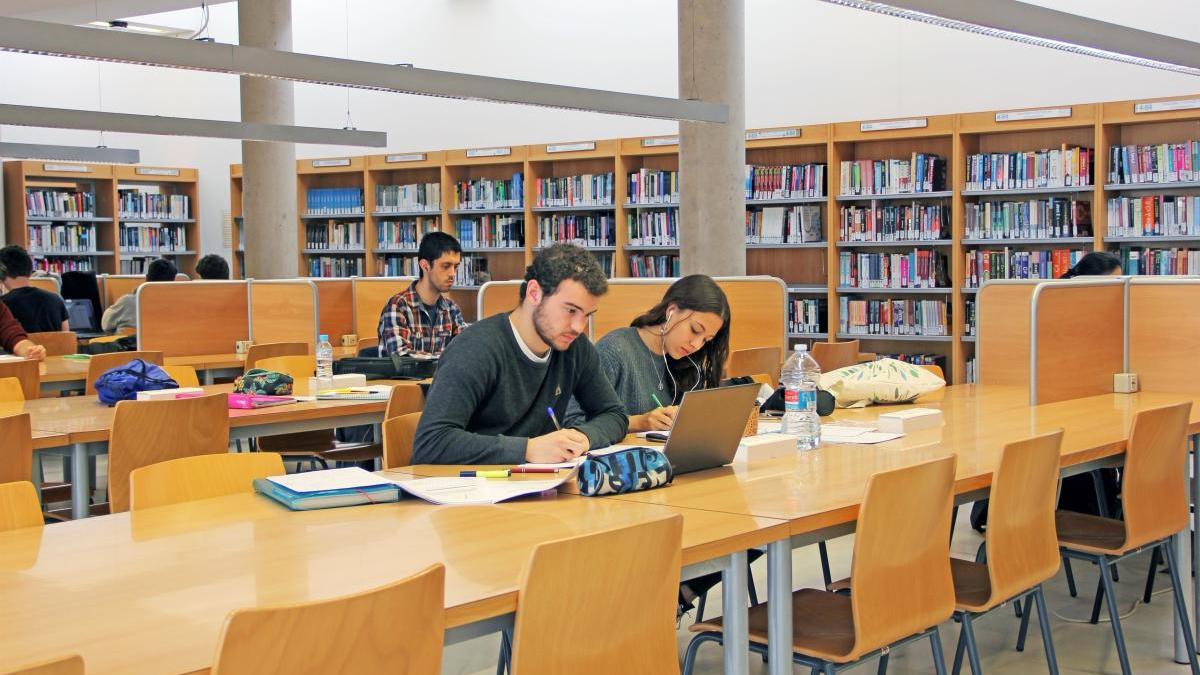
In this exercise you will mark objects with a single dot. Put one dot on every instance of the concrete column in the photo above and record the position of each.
(712, 157)
(268, 169)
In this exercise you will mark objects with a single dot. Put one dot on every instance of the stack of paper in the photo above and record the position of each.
(327, 489)
(448, 490)
(841, 433)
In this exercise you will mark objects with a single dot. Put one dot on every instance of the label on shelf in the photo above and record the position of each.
(322, 163)
(571, 147)
(410, 157)
(1041, 114)
(1165, 106)
(149, 171)
(772, 133)
(914, 123)
(659, 142)
(70, 168)
(489, 152)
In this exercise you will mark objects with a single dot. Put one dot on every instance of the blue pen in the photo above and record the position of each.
(553, 418)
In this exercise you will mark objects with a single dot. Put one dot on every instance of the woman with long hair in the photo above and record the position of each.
(1095, 264)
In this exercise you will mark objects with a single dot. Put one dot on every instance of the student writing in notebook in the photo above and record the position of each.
(488, 403)
(37, 310)
(421, 320)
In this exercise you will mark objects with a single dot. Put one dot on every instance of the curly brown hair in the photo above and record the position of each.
(560, 262)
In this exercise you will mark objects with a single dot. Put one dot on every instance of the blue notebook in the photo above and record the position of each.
(327, 489)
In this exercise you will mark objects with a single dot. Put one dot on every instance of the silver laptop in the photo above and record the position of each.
(709, 427)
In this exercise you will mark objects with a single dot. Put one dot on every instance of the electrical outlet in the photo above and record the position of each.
(1125, 383)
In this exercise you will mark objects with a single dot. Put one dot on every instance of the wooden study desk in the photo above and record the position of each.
(147, 592)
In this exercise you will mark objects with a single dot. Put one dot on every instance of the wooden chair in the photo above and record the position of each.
(395, 628)
(1155, 503)
(299, 366)
(638, 619)
(185, 376)
(365, 344)
(16, 451)
(200, 477)
(28, 373)
(108, 338)
(57, 343)
(406, 397)
(398, 433)
(1021, 546)
(270, 350)
(68, 665)
(834, 355)
(19, 506)
(935, 369)
(900, 574)
(744, 362)
(99, 363)
(148, 432)
(11, 390)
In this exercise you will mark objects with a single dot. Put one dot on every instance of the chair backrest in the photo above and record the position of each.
(623, 611)
(299, 367)
(27, 372)
(901, 568)
(11, 390)
(398, 433)
(745, 362)
(148, 432)
(201, 477)
(57, 343)
(1154, 485)
(406, 397)
(1022, 542)
(184, 376)
(99, 363)
(834, 355)
(269, 350)
(398, 628)
(16, 450)
(367, 343)
(67, 665)
(19, 506)
(935, 369)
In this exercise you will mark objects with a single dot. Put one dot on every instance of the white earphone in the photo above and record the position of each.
(674, 384)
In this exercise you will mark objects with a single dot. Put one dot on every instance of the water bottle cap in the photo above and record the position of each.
(323, 338)
(801, 347)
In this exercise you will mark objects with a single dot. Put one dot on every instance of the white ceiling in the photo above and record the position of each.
(82, 11)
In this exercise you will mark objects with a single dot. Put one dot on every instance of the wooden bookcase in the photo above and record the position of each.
(237, 224)
(653, 153)
(493, 164)
(566, 160)
(343, 173)
(383, 172)
(167, 182)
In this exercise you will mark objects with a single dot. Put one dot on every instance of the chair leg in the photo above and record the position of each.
(935, 645)
(1024, 624)
(1181, 606)
(981, 552)
(1154, 560)
(689, 656)
(700, 608)
(1096, 604)
(1044, 624)
(953, 520)
(1070, 577)
(824, 552)
(959, 650)
(1114, 613)
(750, 585)
(968, 631)
(505, 658)
(829, 669)
(883, 664)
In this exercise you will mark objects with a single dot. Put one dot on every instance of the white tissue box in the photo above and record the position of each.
(765, 446)
(161, 394)
(908, 421)
(340, 382)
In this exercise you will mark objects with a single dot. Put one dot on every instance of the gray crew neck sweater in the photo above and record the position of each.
(635, 372)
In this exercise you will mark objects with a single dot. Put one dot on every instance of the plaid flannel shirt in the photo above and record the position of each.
(405, 328)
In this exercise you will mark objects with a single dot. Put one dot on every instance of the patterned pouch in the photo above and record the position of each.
(624, 471)
(259, 381)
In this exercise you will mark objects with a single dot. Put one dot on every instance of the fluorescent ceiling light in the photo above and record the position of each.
(1042, 27)
(37, 37)
(70, 153)
(136, 27)
(61, 118)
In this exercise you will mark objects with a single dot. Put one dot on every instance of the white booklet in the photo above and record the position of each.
(474, 490)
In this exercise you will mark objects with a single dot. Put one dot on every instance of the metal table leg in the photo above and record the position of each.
(1195, 538)
(779, 618)
(734, 601)
(81, 479)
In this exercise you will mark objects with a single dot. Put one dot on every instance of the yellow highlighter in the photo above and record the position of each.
(496, 473)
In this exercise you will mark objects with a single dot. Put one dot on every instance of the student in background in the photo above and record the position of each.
(212, 266)
(503, 377)
(38, 311)
(123, 312)
(1096, 264)
(421, 320)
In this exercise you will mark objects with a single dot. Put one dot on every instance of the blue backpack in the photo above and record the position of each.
(124, 382)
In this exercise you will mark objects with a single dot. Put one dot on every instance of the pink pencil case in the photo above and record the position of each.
(247, 401)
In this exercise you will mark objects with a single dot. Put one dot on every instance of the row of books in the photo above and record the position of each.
(969, 309)
(653, 186)
(1032, 219)
(654, 266)
(806, 315)
(45, 203)
(151, 238)
(605, 259)
(473, 271)
(1062, 167)
(784, 225)
(491, 231)
(917, 359)
(582, 190)
(334, 201)
(1160, 261)
(789, 181)
(62, 238)
(490, 193)
(972, 370)
(1162, 163)
(134, 265)
(915, 269)
(894, 317)
(653, 228)
(410, 197)
(919, 173)
(335, 236)
(335, 266)
(60, 265)
(404, 232)
(585, 229)
(397, 266)
(141, 204)
(895, 222)
(1154, 216)
(984, 265)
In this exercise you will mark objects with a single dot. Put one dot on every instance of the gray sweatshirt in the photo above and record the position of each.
(635, 373)
(488, 398)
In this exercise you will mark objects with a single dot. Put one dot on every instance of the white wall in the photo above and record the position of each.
(809, 62)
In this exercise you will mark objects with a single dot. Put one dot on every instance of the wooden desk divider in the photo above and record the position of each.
(113, 286)
(1162, 321)
(1003, 331)
(193, 318)
(335, 308)
(370, 296)
(496, 297)
(284, 310)
(50, 283)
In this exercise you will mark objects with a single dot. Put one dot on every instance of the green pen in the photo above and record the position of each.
(656, 401)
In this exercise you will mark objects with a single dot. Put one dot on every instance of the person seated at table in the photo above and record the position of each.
(502, 379)
(123, 312)
(14, 340)
(1095, 264)
(37, 310)
(213, 266)
(421, 320)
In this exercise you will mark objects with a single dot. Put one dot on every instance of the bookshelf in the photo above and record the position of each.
(157, 214)
(237, 235)
(406, 200)
(63, 214)
(573, 197)
(332, 207)
(648, 200)
(488, 209)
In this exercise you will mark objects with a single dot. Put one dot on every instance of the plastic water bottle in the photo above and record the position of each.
(800, 377)
(324, 364)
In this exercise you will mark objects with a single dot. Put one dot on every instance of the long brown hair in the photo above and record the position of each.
(698, 293)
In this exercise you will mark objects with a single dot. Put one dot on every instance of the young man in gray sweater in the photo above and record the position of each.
(497, 381)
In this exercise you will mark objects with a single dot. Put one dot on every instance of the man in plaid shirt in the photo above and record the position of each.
(421, 320)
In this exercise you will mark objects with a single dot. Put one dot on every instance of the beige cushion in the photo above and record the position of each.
(882, 381)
